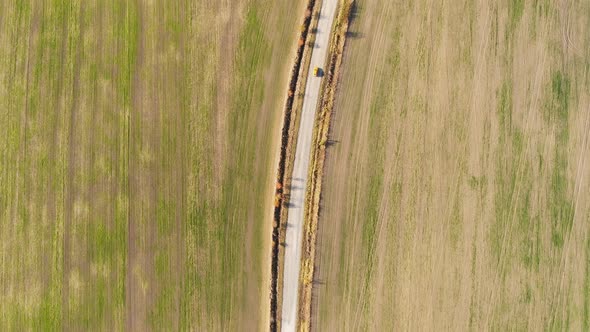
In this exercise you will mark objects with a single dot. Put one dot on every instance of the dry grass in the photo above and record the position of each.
(138, 153)
(318, 154)
(456, 193)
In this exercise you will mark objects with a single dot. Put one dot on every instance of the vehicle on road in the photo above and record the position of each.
(317, 71)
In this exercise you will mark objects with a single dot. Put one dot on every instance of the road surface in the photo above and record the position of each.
(299, 178)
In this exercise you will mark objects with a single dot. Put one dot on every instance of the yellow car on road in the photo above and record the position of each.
(317, 71)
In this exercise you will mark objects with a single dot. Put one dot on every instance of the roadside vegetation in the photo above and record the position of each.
(318, 155)
(138, 154)
(291, 113)
(456, 189)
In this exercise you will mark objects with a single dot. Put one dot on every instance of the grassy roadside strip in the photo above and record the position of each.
(288, 133)
(319, 140)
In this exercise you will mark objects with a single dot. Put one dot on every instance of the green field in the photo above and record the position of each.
(136, 160)
(457, 191)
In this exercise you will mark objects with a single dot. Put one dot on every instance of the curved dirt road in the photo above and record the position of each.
(301, 166)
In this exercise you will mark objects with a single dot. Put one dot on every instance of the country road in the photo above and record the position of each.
(299, 177)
